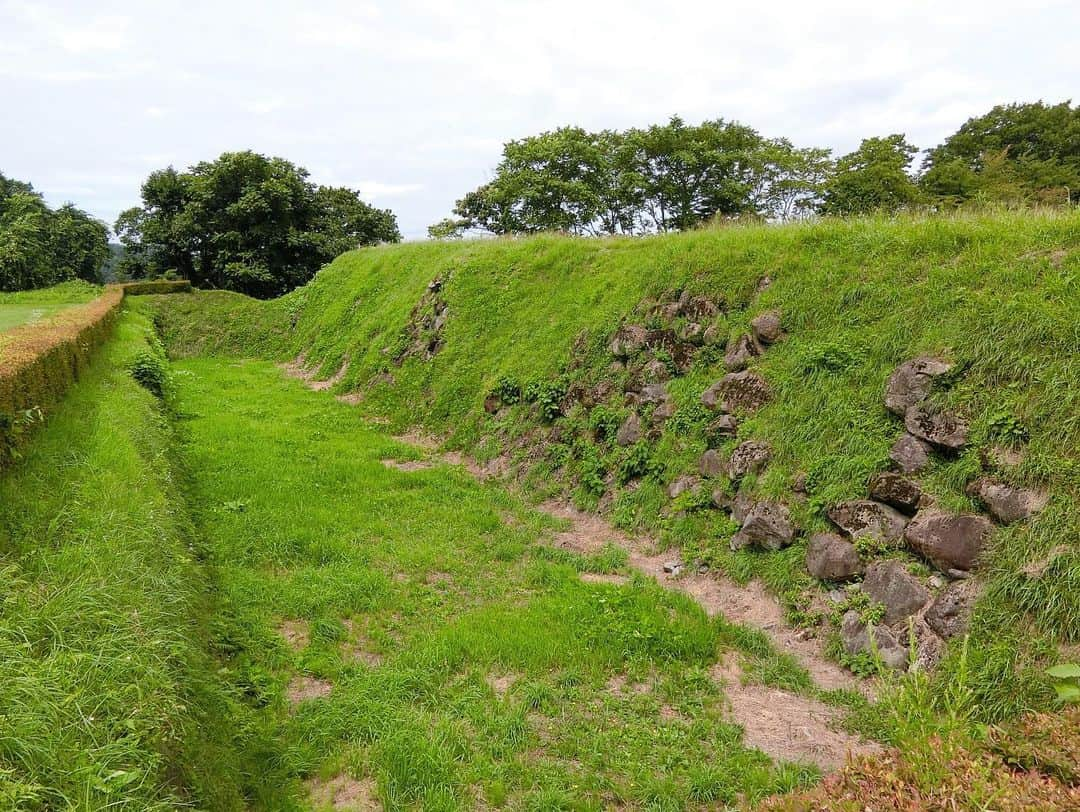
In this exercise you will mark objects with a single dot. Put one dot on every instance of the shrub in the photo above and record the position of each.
(151, 371)
(157, 286)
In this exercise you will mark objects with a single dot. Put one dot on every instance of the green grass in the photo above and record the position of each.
(26, 307)
(442, 578)
(107, 696)
(999, 294)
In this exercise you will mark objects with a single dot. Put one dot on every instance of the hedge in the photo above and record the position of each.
(38, 362)
(157, 286)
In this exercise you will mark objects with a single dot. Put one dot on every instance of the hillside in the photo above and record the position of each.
(504, 349)
(560, 523)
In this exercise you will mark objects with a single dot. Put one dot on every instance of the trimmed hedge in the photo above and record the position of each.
(38, 362)
(157, 286)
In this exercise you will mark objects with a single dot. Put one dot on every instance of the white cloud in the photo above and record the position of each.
(372, 190)
(262, 107)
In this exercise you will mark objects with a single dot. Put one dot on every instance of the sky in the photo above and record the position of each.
(410, 101)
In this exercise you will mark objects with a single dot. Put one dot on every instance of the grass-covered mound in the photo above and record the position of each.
(107, 695)
(526, 326)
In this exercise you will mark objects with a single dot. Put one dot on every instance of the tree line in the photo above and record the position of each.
(40, 246)
(674, 176)
(245, 222)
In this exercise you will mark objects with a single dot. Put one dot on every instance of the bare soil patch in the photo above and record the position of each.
(302, 688)
(603, 578)
(619, 685)
(344, 792)
(297, 633)
(299, 369)
(788, 726)
(358, 649)
(407, 465)
(501, 684)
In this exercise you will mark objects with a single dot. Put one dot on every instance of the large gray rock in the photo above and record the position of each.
(910, 454)
(737, 391)
(951, 541)
(911, 382)
(692, 333)
(662, 412)
(654, 393)
(630, 430)
(950, 613)
(655, 371)
(896, 491)
(1007, 503)
(739, 505)
(889, 583)
(766, 525)
(766, 327)
(929, 648)
(865, 517)
(750, 457)
(628, 340)
(943, 429)
(723, 425)
(681, 485)
(711, 463)
(740, 352)
(831, 557)
(856, 637)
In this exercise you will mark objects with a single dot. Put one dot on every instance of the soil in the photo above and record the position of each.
(302, 688)
(297, 633)
(345, 793)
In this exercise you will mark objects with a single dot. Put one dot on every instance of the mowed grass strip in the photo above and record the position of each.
(29, 306)
(401, 630)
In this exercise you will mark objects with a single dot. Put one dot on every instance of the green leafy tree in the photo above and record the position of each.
(872, 178)
(40, 246)
(1015, 152)
(790, 180)
(245, 222)
(667, 177)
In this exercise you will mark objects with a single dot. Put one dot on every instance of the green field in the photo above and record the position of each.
(27, 307)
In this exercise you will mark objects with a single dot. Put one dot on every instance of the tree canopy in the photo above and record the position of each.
(662, 178)
(40, 246)
(676, 176)
(1016, 152)
(245, 222)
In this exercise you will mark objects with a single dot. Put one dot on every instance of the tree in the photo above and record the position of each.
(39, 246)
(872, 178)
(790, 181)
(245, 222)
(667, 177)
(1015, 152)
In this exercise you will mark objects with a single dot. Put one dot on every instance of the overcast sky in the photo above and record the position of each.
(410, 101)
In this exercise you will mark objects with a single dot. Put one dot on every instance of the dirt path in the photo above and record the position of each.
(787, 726)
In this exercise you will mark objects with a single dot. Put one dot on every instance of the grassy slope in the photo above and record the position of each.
(106, 694)
(442, 578)
(27, 306)
(998, 294)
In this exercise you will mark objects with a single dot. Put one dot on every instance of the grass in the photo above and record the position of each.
(441, 580)
(107, 695)
(27, 307)
(998, 294)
